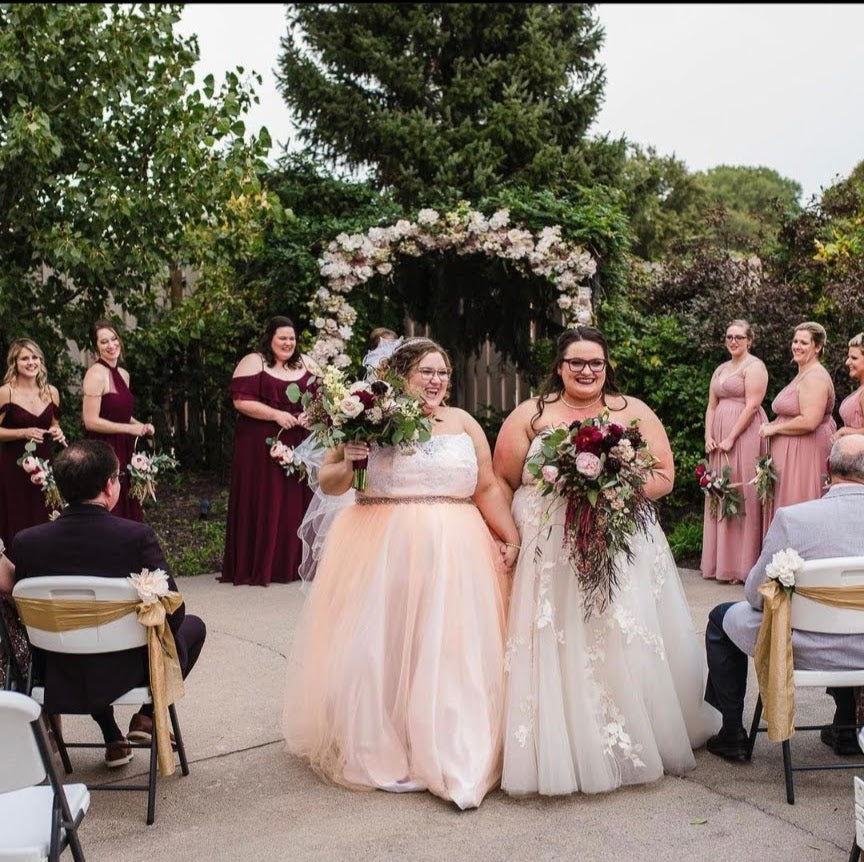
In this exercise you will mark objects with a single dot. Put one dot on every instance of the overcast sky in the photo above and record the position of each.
(774, 85)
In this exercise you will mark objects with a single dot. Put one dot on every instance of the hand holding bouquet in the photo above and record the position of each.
(600, 469)
(379, 411)
(42, 475)
(143, 470)
(723, 498)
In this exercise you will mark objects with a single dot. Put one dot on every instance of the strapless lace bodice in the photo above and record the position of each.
(444, 466)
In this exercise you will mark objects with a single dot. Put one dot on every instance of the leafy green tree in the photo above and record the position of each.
(442, 101)
(114, 169)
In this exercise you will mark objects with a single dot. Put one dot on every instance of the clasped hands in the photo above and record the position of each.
(725, 445)
(289, 420)
(37, 435)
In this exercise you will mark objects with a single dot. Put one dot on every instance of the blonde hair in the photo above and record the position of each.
(745, 325)
(11, 376)
(817, 330)
(857, 341)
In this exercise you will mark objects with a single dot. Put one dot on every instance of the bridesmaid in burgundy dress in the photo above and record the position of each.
(852, 407)
(265, 507)
(801, 433)
(29, 410)
(731, 546)
(108, 408)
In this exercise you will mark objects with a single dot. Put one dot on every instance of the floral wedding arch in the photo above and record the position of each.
(351, 260)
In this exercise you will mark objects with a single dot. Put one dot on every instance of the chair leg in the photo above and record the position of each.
(181, 748)
(61, 745)
(787, 769)
(151, 787)
(854, 853)
(754, 727)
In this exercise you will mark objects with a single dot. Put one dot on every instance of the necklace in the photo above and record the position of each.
(581, 406)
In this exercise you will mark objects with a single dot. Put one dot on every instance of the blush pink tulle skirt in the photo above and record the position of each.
(396, 678)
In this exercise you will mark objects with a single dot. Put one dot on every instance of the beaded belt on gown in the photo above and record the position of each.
(364, 500)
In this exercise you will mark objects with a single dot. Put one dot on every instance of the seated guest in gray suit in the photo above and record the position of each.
(828, 527)
(88, 540)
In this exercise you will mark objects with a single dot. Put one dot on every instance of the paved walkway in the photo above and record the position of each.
(247, 799)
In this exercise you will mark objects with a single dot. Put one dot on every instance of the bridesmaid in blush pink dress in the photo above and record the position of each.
(29, 411)
(852, 407)
(731, 545)
(800, 435)
(108, 407)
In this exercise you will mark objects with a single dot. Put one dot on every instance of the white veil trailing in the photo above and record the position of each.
(323, 508)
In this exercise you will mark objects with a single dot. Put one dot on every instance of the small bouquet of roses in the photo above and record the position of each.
(143, 470)
(765, 479)
(600, 469)
(286, 457)
(379, 411)
(42, 474)
(723, 497)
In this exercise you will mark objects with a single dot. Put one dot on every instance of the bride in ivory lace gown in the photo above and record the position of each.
(616, 699)
(401, 643)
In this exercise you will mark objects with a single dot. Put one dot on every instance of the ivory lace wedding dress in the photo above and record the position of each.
(401, 643)
(614, 700)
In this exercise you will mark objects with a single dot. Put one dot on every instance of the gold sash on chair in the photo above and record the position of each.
(166, 678)
(773, 655)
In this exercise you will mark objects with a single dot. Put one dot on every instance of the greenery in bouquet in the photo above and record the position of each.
(379, 411)
(143, 470)
(42, 475)
(765, 479)
(600, 469)
(722, 494)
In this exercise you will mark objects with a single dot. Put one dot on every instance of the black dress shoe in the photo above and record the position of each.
(730, 746)
(842, 741)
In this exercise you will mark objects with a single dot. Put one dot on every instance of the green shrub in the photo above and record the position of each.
(203, 553)
(685, 539)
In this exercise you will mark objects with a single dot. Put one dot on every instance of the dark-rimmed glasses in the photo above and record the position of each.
(426, 374)
(577, 365)
(736, 337)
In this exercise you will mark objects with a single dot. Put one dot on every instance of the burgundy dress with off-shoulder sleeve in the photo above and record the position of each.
(118, 405)
(800, 460)
(265, 507)
(22, 503)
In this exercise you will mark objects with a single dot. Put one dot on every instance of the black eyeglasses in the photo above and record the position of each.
(577, 365)
(736, 337)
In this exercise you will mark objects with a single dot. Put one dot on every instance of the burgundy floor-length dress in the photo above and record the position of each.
(265, 507)
(731, 546)
(850, 410)
(118, 405)
(800, 460)
(22, 503)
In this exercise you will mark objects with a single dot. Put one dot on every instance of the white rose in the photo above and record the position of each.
(351, 406)
(151, 586)
(427, 216)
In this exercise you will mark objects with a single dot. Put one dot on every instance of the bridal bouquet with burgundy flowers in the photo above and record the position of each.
(600, 469)
(379, 411)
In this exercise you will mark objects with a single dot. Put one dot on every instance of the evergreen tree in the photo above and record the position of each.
(438, 101)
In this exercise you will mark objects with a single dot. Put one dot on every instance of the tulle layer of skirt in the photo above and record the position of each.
(397, 669)
(618, 699)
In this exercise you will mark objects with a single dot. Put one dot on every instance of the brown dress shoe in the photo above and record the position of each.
(117, 753)
(141, 728)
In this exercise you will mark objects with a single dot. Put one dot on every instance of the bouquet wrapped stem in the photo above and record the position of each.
(360, 480)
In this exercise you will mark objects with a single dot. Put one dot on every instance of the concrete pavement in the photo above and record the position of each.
(246, 798)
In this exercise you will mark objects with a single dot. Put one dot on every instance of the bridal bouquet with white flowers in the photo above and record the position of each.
(600, 469)
(379, 411)
(783, 567)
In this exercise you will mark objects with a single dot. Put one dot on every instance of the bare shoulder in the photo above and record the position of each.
(250, 364)
(96, 380)
(124, 374)
(6, 394)
(55, 395)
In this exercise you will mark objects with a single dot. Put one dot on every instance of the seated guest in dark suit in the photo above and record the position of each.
(88, 540)
(817, 529)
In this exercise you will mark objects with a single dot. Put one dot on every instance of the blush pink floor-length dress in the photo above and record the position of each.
(850, 410)
(731, 546)
(800, 460)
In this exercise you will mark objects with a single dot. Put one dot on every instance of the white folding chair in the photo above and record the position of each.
(37, 823)
(125, 633)
(811, 616)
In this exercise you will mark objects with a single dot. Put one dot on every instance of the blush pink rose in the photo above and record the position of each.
(588, 465)
(140, 461)
(37, 477)
(549, 473)
(30, 464)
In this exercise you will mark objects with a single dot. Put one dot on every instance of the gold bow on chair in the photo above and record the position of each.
(773, 655)
(166, 678)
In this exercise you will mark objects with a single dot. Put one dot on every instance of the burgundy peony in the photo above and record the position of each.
(700, 471)
(589, 439)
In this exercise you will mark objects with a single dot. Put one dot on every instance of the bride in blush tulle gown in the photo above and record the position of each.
(617, 699)
(400, 647)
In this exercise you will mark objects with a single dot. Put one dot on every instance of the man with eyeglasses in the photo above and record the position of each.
(88, 540)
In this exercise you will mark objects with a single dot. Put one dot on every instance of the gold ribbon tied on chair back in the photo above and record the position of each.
(166, 678)
(773, 655)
